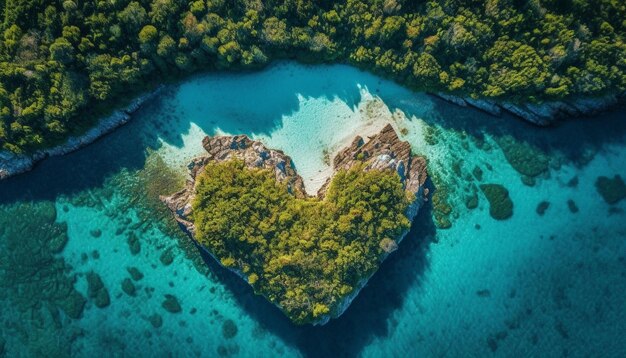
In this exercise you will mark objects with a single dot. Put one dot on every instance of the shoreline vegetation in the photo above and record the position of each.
(57, 60)
(244, 204)
(12, 164)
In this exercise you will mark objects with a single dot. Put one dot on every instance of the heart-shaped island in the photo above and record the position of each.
(246, 206)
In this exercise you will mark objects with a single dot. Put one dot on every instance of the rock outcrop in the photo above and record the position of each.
(384, 151)
(223, 148)
(13, 164)
(541, 114)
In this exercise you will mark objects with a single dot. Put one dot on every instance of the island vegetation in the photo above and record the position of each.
(62, 60)
(304, 254)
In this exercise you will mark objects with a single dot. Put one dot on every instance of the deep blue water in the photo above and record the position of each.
(532, 285)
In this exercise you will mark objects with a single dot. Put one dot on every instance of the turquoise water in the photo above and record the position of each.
(532, 285)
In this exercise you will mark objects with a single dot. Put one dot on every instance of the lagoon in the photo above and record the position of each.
(549, 285)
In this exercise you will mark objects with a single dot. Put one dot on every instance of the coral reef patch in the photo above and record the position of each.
(500, 204)
(525, 158)
(612, 190)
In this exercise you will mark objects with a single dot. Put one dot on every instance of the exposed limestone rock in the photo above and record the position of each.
(459, 101)
(541, 114)
(223, 148)
(381, 152)
(485, 106)
(384, 151)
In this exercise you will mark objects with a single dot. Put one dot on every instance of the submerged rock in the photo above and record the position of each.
(31, 274)
(59, 240)
(527, 159)
(96, 290)
(611, 190)
(227, 351)
(135, 273)
(133, 243)
(442, 222)
(500, 204)
(571, 204)
(471, 201)
(156, 320)
(382, 152)
(478, 173)
(128, 287)
(167, 257)
(441, 207)
(542, 207)
(73, 305)
(572, 183)
(528, 181)
(229, 329)
(171, 304)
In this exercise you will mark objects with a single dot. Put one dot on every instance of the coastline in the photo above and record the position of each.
(385, 149)
(411, 213)
(347, 300)
(12, 164)
(541, 114)
(370, 126)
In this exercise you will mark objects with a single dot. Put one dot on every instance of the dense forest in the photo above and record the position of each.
(304, 254)
(59, 56)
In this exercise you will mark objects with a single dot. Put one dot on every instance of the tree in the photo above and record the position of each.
(133, 18)
(275, 32)
(166, 47)
(62, 51)
(426, 70)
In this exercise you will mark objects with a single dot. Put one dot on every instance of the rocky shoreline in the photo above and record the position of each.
(383, 151)
(541, 114)
(12, 164)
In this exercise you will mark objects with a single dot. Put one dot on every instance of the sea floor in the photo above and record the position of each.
(91, 263)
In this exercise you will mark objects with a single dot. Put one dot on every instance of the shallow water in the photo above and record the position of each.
(532, 285)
